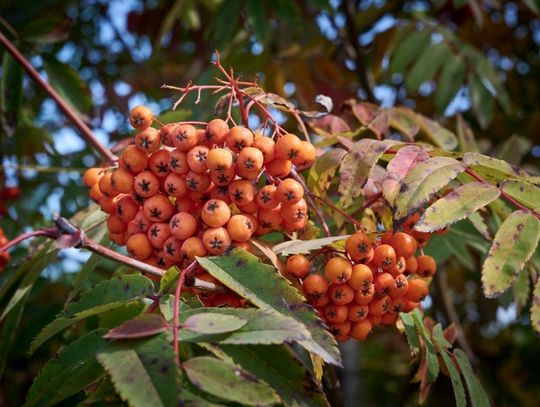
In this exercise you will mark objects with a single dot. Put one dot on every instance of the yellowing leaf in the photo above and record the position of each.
(458, 204)
(513, 245)
(321, 173)
(525, 193)
(535, 309)
(495, 170)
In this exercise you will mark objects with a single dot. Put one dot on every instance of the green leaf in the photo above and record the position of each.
(143, 372)
(522, 290)
(479, 224)
(305, 246)
(457, 205)
(457, 383)
(513, 245)
(431, 354)
(224, 23)
(138, 327)
(477, 394)
(69, 372)
(495, 170)
(12, 89)
(482, 101)
(168, 280)
(465, 135)
(410, 332)
(213, 323)
(295, 385)
(256, 18)
(399, 166)
(260, 327)
(9, 332)
(259, 283)
(535, 308)
(423, 181)
(117, 289)
(513, 149)
(427, 65)
(485, 70)
(523, 192)
(357, 165)
(228, 382)
(65, 80)
(82, 275)
(450, 80)
(321, 173)
(407, 49)
(439, 135)
(404, 121)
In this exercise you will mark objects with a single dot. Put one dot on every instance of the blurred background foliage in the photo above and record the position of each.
(473, 59)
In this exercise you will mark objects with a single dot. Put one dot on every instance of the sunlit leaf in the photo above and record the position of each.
(477, 394)
(305, 246)
(321, 173)
(213, 323)
(438, 135)
(523, 192)
(495, 170)
(467, 143)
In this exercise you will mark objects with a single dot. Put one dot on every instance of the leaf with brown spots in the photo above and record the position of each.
(322, 171)
(357, 166)
(535, 308)
(260, 284)
(305, 246)
(495, 170)
(213, 323)
(523, 192)
(423, 181)
(457, 205)
(513, 245)
(138, 327)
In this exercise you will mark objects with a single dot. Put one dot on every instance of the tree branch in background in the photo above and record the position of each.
(85, 131)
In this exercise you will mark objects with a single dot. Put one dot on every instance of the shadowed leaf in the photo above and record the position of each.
(477, 394)
(523, 192)
(213, 323)
(321, 173)
(138, 327)
(457, 383)
(535, 308)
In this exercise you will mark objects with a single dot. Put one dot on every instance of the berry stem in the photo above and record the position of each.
(309, 198)
(85, 131)
(340, 211)
(48, 232)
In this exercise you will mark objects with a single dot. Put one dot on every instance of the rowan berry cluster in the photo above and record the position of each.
(180, 191)
(4, 256)
(367, 285)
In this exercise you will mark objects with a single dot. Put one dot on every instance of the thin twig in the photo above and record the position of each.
(86, 132)
(340, 211)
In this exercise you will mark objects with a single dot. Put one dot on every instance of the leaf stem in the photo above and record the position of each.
(64, 107)
(340, 211)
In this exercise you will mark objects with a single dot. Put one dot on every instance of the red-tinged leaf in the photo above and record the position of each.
(364, 112)
(380, 124)
(331, 124)
(405, 160)
(357, 166)
(450, 333)
(404, 121)
(138, 327)
(321, 173)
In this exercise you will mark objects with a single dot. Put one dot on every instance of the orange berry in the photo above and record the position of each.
(418, 290)
(240, 228)
(115, 224)
(142, 223)
(122, 180)
(197, 182)
(95, 194)
(267, 146)
(91, 176)
(215, 213)
(397, 305)
(404, 244)
(146, 184)
(307, 157)
(384, 282)
(221, 192)
(185, 137)
(108, 205)
(289, 191)
(401, 285)
(126, 208)
(288, 147)
(340, 330)
(411, 221)
(158, 163)
(421, 237)
(138, 246)
(118, 238)
(105, 185)
(361, 277)
(398, 267)
(148, 140)
(321, 302)
(193, 247)
(178, 162)
(365, 295)
(294, 212)
(336, 314)
(216, 131)
(360, 330)
(266, 197)
(163, 261)
(219, 159)
(183, 225)
(314, 286)
(411, 265)
(384, 256)
(389, 318)
(358, 245)
(269, 219)
(166, 133)
(340, 294)
(409, 305)
(291, 227)
(241, 192)
(175, 185)
(134, 159)
(196, 158)
(184, 205)
(298, 266)
(379, 307)
(249, 160)
(338, 269)
(158, 208)
(141, 117)
(278, 168)
(216, 240)
(157, 234)
(238, 138)
(224, 177)
(374, 319)
(426, 266)
(357, 312)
